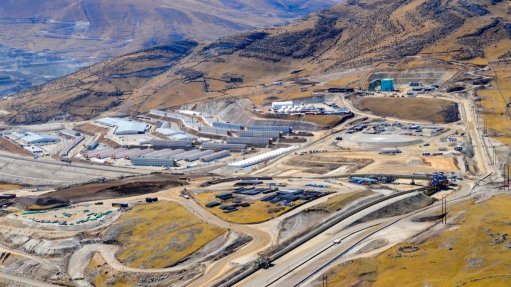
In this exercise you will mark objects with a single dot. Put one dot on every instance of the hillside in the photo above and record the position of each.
(349, 35)
(46, 39)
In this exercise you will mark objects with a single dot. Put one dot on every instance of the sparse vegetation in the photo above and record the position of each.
(337, 202)
(475, 253)
(173, 233)
(419, 109)
(258, 211)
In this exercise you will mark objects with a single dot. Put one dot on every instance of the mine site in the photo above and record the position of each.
(239, 163)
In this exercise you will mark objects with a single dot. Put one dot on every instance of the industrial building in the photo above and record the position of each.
(160, 144)
(140, 161)
(164, 153)
(92, 145)
(221, 146)
(260, 134)
(263, 157)
(166, 131)
(227, 126)
(216, 156)
(71, 145)
(387, 85)
(124, 126)
(33, 138)
(284, 129)
(249, 141)
(199, 155)
(280, 105)
(214, 131)
(69, 133)
(363, 180)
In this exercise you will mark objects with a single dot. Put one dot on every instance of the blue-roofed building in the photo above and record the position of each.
(387, 85)
(29, 137)
(124, 126)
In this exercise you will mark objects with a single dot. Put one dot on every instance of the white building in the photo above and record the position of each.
(124, 126)
(279, 105)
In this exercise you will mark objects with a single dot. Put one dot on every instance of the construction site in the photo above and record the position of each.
(344, 183)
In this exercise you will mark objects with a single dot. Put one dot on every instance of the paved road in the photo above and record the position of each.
(313, 246)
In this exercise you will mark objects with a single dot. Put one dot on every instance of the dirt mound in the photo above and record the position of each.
(401, 207)
(116, 188)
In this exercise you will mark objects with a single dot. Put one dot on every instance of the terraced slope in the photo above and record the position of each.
(351, 34)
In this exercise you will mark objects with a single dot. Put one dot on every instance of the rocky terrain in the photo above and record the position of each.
(351, 34)
(42, 40)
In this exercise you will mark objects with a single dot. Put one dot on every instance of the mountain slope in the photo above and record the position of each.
(351, 34)
(45, 39)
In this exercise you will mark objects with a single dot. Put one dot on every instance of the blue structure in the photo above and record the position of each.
(387, 85)
(363, 180)
(439, 181)
(92, 145)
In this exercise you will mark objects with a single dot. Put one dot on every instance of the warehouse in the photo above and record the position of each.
(166, 131)
(214, 131)
(160, 144)
(260, 134)
(216, 156)
(198, 155)
(185, 155)
(284, 129)
(124, 126)
(221, 146)
(227, 126)
(139, 161)
(279, 105)
(263, 157)
(69, 133)
(29, 137)
(249, 141)
(165, 153)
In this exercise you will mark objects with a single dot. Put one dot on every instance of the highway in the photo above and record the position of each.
(316, 245)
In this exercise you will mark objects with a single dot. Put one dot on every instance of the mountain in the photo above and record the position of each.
(349, 35)
(45, 39)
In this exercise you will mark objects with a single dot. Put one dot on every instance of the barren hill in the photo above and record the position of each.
(351, 34)
(46, 39)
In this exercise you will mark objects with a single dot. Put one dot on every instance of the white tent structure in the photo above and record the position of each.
(263, 157)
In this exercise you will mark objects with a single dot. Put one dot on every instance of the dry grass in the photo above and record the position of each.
(258, 211)
(474, 254)
(494, 102)
(9, 186)
(417, 109)
(339, 201)
(103, 275)
(173, 231)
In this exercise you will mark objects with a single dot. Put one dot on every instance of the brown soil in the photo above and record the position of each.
(9, 146)
(116, 188)
(419, 109)
(90, 129)
(322, 164)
